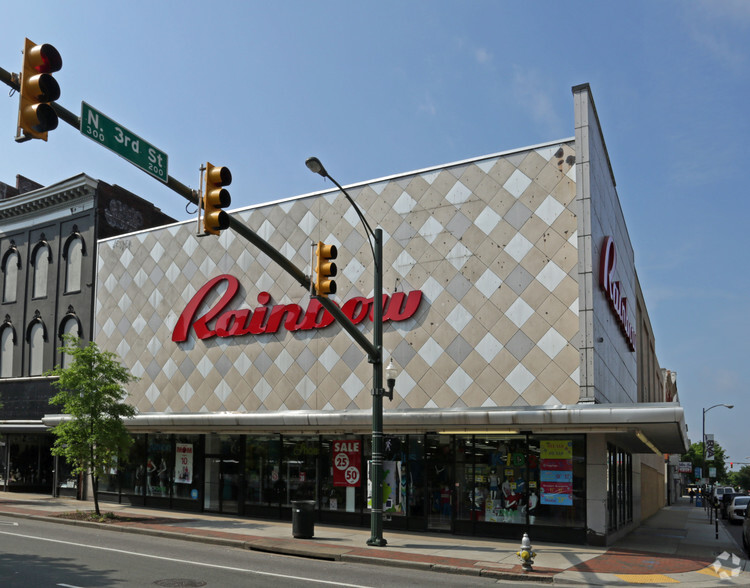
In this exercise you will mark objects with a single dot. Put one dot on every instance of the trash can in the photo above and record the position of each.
(303, 519)
(698, 501)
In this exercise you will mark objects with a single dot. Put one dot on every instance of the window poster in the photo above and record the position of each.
(394, 487)
(556, 472)
(346, 463)
(184, 463)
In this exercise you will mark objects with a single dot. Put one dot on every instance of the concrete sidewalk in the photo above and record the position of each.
(676, 545)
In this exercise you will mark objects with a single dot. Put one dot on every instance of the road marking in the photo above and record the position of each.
(646, 578)
(171, 559)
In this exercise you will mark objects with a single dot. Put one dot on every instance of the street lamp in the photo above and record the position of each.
(376, 245)
(705, 410)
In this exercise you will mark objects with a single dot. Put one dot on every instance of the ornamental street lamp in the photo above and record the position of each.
(376, 359)
(705, 410)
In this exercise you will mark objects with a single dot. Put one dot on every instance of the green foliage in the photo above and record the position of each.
(741, 478)
(91, 390)
(695, 456)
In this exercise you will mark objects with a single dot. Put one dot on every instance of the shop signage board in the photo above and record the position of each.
(614, 291)
(221, 320)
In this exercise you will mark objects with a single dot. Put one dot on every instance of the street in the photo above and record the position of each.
(735, 530)
(35, 553)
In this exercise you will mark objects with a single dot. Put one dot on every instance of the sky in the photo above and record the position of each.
(380, 88)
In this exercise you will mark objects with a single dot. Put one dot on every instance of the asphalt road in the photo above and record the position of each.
(736, 531)
(39, 554)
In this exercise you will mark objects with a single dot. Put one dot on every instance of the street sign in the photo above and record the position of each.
(112, 135)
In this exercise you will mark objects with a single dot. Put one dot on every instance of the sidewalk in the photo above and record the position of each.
(676, 545)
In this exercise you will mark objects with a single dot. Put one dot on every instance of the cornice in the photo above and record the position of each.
(49, 197)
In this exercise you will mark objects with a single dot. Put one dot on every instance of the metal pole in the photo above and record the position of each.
(703, 444)
(376, 517)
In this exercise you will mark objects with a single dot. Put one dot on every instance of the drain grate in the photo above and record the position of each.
(180, 583)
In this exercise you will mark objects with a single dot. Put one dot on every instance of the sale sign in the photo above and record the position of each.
(183, 466)
(347, 470)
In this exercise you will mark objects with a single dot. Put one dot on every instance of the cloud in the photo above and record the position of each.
(532, 95)
(483, 56)
(427, 106)
(717, 27)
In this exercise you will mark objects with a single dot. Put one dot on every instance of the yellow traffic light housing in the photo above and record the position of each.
(38, 88)
(325, 269)
(216, 197)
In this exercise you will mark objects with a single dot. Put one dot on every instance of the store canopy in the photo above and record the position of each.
(638, 428)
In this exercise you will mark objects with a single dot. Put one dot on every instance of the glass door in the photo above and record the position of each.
(440, 480)
(221, 491)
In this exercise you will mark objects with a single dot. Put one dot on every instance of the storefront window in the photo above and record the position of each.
(499, 479)
(133, 472)
(394, 474)
(30, 467)
(300, 468)
(440, 481)
(263, 470)
(416, 476)
(109, 481)
(619, 487)
(159, 466)
(557, 481)
(342, 477)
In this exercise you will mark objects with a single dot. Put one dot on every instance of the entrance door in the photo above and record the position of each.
(440, 480)
(221, 489)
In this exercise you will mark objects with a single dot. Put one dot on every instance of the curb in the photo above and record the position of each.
(315, 551)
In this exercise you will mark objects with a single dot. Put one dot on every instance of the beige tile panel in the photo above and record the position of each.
(169, 257)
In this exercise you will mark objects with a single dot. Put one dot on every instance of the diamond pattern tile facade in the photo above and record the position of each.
(491, 244)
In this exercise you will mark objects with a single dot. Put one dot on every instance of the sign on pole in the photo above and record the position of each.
(115, 137)
(709, 447)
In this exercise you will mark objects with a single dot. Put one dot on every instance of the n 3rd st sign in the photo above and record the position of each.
(102, 129)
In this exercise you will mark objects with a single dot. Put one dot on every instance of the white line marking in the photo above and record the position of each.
(171, 559)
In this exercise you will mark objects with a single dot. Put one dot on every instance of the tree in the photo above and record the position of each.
(741, 478)
(695, 456)
(91, 390)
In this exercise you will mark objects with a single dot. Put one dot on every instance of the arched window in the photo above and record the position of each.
(73, 252)
(11, 265)
(41, 257)
(36, 337)
(70, 325)
(7, 344)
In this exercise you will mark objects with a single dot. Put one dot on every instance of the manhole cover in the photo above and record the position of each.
(180, 583)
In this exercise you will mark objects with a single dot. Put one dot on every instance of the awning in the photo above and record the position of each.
(638, 428)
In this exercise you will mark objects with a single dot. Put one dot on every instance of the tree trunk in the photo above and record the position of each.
(95, 489)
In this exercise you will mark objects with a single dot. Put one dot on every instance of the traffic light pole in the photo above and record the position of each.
(191, 195)
(372, 349)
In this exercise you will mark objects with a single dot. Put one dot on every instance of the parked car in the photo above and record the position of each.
(737, 508)
(721, 497)
(746, 531)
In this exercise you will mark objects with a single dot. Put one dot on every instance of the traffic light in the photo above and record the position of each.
(325, 269)
(216, 197)
(731, 465)
(38, 88)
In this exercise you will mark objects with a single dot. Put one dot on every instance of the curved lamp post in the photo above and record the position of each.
(705, 410)
(375, 239)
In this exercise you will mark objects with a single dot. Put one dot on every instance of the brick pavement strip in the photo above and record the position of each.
(622, 561)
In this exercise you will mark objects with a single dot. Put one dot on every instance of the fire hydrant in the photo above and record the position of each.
(526, 554)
